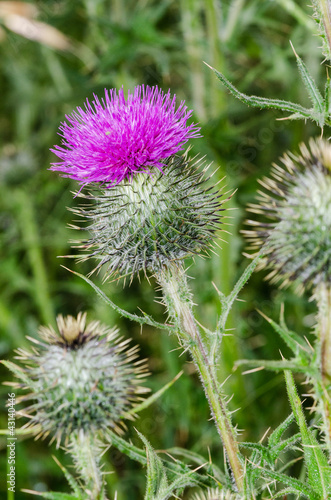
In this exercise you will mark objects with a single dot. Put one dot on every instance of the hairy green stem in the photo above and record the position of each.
(86, 452)
(177, 298)
(323, 296)
(325, 10)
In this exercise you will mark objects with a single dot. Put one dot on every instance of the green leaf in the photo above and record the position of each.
(125, 447)
(276, 435)
(283, 493)
(253, 446)
(212, 469)
(228, 301)
(291, 339)
(296, 485)
(314, 93)
(286, 443)
(318, 469)
(260, 102)
(173, 468)
(277, 366)
(157, 482)
(145, 319)
(71, 480)
(157, 487)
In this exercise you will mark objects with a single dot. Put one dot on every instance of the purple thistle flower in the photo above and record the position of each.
(114, 138)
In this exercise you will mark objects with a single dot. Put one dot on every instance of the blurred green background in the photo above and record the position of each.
(55, 54)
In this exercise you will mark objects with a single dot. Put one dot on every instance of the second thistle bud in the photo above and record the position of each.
(155, 218)
(296, 232)
(82, 378)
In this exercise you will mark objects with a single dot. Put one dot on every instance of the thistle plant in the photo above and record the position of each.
(82, 380)
(296, 203)
(153, 221)
(296, 235)
(147, 206)
(143, 224)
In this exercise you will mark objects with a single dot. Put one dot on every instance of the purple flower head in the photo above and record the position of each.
(114, 138)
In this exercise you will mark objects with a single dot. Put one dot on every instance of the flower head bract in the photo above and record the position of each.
(296, 226)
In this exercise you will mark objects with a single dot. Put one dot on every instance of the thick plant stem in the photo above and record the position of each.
(177, 298)
(323, 296)
(325, 10)
(86, 452)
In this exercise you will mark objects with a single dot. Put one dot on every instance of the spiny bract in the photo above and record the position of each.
(297, 241)
(81, 378)
(154, 219)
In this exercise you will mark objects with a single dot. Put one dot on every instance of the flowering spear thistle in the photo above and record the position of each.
(149, 214)
(82, 377)
(151, 220)
(116, 138)
(297, 243)
(83, 380)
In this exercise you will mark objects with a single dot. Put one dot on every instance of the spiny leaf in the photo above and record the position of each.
(298, 486)
(260, 102)
(211, 468)
(173, 469)
(157, 481)
(318, 469)
(227, 302)
(311, 87)
(276, 435)
(157, 484)
(277, 366)
(146, 319)
(286, 443)
(292, 339)
(71, 480)
(283, 493)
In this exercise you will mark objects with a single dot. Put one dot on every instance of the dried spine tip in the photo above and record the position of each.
(152, 220)
(296, 231)
(82, 378)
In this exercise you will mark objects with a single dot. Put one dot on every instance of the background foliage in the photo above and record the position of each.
(110, 44)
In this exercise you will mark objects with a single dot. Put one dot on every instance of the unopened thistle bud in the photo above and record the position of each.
(81, 378)
(296, 230)
(148, 205)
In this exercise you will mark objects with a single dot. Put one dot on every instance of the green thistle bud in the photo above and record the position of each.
(154, 218)
(216, 494)
(82, 378)
(296, 233)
